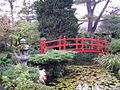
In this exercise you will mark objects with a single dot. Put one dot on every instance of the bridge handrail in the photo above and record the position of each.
(78, 43)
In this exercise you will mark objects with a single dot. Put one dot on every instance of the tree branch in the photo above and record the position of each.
(97, 20)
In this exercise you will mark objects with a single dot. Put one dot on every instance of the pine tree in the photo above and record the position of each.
(56, 18)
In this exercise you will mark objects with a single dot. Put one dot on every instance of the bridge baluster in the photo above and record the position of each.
(82, 43)
(76, 42)
(91, 43)
(60, 47)
(98, 43)
(64, 43)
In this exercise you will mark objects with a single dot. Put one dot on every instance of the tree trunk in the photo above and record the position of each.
(100, 15)
(90, 16)
(93, 25)
(11, 7)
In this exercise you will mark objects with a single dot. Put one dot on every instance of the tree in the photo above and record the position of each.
(5, 27)
(10, 11)
(56, 18)
(91, 5)
(111, 23)
(27, 11)
(115, 10)
(11, 8)
(5, 31)
(28, 31)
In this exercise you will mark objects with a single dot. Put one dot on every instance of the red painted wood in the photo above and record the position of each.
(43, 46)
(60, 43)
(98, 51)
(94, 45)
(91, 43)
(98, 43)
(64, 43)
(82, 42)
(76, 42)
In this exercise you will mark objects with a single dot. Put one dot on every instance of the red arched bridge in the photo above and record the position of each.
(77, 44)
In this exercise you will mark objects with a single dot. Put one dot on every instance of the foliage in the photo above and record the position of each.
(15, 71)
(56, 18)
(84, 58)
(5, 62)
(28, 31)
(111, 23)
(110, 61)
(29, 85)
(2, 45)
(101, 35)
(53, 61)
(51, 56)
(21, 78)
(35, 48)
(82, 32)
(4, 59)
(59, 70)
(26, 12)
(5, 27)
(11, 48)
(114, 46)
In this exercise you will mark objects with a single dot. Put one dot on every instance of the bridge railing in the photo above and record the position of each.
(77, 44)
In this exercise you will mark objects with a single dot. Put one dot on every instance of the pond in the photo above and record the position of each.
(79, 76)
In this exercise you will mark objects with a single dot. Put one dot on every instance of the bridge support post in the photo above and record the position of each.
(105, 48)
(42, 46)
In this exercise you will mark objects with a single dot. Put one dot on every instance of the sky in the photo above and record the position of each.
(80, 9)
(6, 8)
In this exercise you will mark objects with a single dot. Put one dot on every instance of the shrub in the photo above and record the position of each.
(2, 45)
(84, 58)
(52, 56)
(5, 59)
(21, 78)
(53, 61)
(5, 62)
(16, 70)
(114, 46)
(29, 85)
(23, 84)
(110, 61)
(10, 48)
